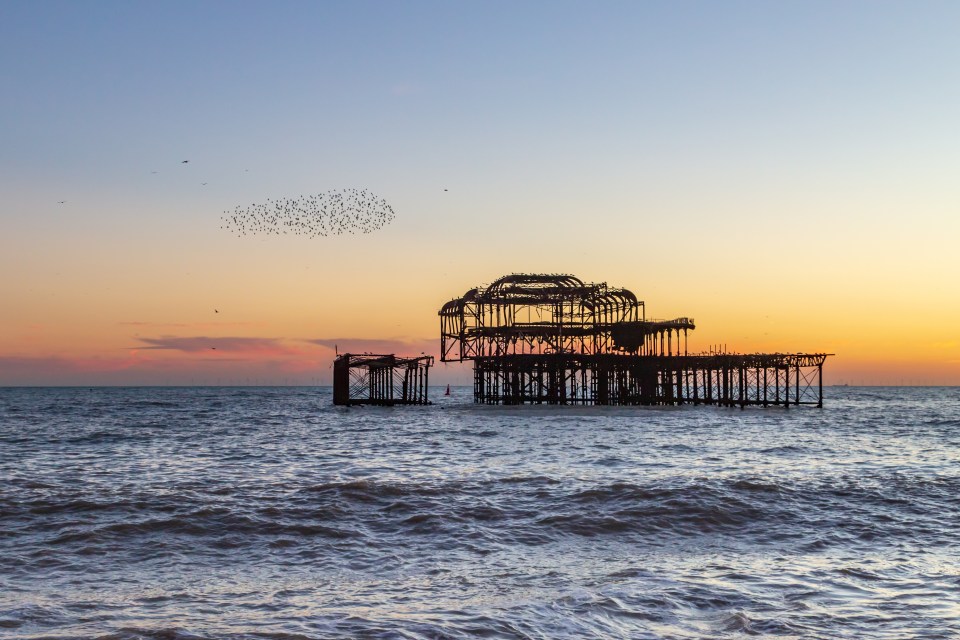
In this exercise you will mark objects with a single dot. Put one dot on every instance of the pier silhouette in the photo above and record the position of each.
(554, 339)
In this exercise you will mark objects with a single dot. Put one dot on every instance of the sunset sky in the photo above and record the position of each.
(786, 173)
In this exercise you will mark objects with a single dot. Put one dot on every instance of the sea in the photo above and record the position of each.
(246, 512)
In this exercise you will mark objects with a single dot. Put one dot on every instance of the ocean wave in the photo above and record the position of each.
(512, 507)
(148, 514)
(206, 524)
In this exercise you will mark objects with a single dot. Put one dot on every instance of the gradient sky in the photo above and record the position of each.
(786, 173)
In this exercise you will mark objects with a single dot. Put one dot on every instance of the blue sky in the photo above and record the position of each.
(565, 85)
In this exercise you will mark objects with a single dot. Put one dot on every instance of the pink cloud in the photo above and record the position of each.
(177, 370)
(205, 360)
(56, 370)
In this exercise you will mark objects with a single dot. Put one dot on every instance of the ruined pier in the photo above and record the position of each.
(553, 339)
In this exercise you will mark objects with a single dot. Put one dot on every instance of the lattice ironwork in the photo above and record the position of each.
(381, 379)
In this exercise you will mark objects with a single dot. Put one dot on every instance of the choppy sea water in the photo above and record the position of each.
(269, 513)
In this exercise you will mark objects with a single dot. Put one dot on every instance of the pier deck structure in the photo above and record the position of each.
(553, 339)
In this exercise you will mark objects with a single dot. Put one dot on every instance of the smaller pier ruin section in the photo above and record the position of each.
(380, 379)
(554, 339)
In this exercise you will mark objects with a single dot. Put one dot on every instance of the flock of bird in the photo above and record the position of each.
(349, 211)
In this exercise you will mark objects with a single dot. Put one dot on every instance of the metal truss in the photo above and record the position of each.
(381, 379)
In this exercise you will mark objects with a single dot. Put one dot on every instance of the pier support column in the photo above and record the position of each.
(820, 386)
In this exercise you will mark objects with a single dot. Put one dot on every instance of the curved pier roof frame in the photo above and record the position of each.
(542, 288)
(524, 313)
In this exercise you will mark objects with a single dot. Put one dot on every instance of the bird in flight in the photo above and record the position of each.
(216, 311)
(60, 201)
(185, 162)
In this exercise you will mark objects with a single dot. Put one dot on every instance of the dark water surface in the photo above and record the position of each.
(268, 513)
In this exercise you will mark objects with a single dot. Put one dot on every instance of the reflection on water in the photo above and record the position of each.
(269, 513)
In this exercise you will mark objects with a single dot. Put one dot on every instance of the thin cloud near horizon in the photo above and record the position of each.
(194, 344)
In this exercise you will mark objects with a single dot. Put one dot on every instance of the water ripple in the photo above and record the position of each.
(268, 513)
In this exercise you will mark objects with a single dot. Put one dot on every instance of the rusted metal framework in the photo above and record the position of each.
(380, 379)
(553, 339)
(523, 314)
